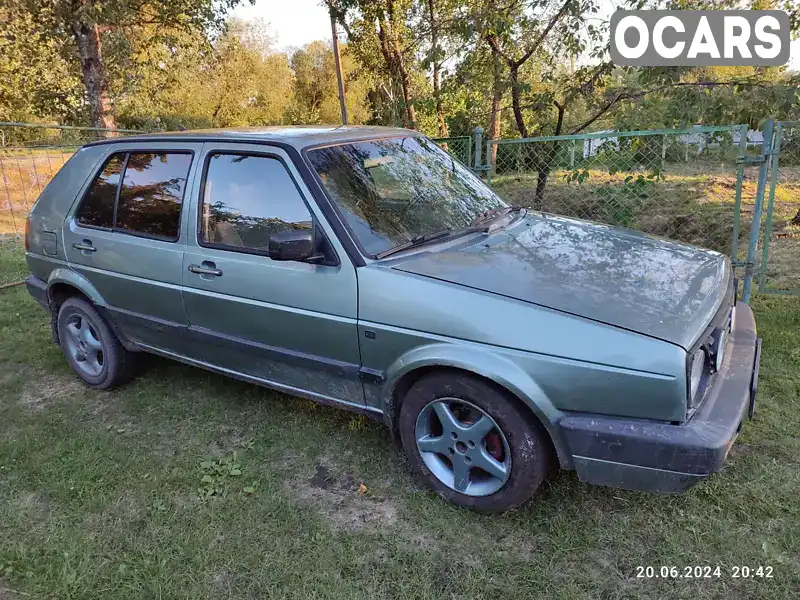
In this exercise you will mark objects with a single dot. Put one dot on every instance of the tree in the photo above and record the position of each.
(315, 89)
(435, 59)
(382, 26)
(87, 22)
(37, 82)
(517, 32)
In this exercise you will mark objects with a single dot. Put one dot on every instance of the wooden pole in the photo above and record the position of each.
(338, 62)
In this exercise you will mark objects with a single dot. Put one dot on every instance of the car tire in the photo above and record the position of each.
(525, 458)
(90, 347)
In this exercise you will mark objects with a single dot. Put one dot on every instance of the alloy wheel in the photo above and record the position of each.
(463, 447)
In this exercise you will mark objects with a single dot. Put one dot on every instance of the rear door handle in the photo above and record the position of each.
(205, 270)
(85, 246)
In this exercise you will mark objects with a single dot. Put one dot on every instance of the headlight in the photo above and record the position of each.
(696, 375)
(720, 353)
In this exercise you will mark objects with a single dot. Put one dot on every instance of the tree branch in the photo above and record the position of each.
(556, 18)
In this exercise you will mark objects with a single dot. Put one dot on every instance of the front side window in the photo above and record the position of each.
(97, 207)
(391, 191)
(139, 193)
(248, 198)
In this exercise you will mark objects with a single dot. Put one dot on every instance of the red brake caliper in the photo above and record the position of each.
(494, 446)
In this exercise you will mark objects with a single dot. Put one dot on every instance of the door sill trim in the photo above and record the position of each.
(369, 411)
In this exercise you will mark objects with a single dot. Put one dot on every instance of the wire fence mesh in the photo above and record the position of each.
(780, 250)
(30, 155)
(682, 184)
(460, 147)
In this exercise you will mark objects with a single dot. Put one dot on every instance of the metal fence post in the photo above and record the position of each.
(478, 147)
(773, 182)
(737, 206)
(755, 227)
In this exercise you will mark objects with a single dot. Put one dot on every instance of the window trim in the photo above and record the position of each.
(113, 228)
(317, 231)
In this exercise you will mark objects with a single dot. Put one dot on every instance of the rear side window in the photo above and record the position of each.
(246, 199)
(152, 193)
(97, 208)
(148, 201)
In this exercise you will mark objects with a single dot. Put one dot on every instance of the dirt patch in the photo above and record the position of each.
(7, 593)
(228, 440)
(42, 390)
(340, 497)
(34, 506)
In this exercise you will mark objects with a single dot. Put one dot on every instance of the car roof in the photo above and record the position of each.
(299, 136)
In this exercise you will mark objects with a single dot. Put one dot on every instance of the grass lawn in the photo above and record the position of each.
(185, 484)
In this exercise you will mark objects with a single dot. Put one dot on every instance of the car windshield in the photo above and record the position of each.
(392, 191)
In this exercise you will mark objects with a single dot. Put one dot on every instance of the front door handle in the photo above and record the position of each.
(206, 269)
(85, 246)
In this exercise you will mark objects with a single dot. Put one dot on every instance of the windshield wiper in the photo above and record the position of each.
(495, 213)
(417, 240)
(479, 224)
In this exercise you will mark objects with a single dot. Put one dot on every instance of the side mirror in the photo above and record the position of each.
(294, 244)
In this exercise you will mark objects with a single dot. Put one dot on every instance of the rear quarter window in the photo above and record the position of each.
(97, 207)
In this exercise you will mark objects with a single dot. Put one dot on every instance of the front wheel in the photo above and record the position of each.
(472, 443)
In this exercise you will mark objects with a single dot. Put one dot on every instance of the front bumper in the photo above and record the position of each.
(652, 456)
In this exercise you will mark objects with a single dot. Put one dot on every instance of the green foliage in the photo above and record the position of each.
(183, 65)
(216, 476)
(315, 92)
(38, 79)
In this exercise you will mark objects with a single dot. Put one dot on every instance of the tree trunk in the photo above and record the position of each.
(515, 99)
(87, 38)
(405, 83)
(437, 67)
(551, 151)
(392, 55)
(497, 98)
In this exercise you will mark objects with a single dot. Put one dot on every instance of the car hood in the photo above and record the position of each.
(649, 285)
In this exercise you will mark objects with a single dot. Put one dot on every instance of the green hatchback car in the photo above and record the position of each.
(366, 268)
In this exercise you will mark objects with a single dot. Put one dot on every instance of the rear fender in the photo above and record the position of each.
(85, 287)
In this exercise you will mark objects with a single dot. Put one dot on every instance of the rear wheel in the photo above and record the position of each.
(90, 347)
(472, 443)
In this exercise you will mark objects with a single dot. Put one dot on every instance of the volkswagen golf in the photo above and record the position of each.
(366, 268)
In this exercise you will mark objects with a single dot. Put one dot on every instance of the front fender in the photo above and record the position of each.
(492, 365)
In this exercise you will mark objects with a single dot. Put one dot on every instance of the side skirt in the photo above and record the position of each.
(371, 412)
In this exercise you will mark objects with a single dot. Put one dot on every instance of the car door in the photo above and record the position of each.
(124, 236)
(289, 324)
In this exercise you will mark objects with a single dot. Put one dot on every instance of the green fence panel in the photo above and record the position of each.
(755, 228)
(780, 250)
(460, 147)
(696, 185)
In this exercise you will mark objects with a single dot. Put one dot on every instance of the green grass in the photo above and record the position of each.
(184, 484)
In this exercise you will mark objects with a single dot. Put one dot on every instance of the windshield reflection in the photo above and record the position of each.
(393, 190)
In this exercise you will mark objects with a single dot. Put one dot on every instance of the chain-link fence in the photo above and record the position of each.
(30, 155)
(780, 249)
(692, 185)
(460, 147)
